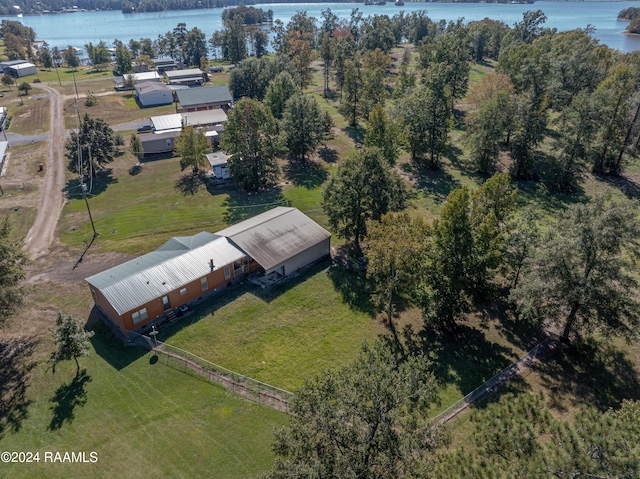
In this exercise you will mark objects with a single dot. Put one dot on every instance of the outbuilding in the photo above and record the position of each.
(151, 93)
(158, 143)
(21, 70)
(218, 161)
(281, 241)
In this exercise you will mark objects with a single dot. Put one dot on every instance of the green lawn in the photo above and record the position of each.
(142, 418)
(281, 336)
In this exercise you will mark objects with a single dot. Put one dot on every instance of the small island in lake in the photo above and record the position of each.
(631, 14)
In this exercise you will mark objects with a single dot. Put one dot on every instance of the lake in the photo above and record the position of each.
(80, 28)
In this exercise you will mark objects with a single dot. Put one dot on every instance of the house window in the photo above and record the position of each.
(204, 283)
(139, 316)
(227, 272)
(183, 291)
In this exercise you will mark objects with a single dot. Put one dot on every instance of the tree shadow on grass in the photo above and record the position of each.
(67, 398)
(628, 187)
(595, 374)
(463, 357)
(308, 174)
(190, 183)
(356, 133)
(435, 183)
(242, 205)
(94, 187)
(15, 365)
(328, 155)
(354, 287)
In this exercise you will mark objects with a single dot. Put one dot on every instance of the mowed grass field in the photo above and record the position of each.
(142, 418)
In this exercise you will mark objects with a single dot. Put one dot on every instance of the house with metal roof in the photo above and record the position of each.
(189, 269)
(157, 143)
(280, 241)
(189, 76)
(182, 272)
(204, 98)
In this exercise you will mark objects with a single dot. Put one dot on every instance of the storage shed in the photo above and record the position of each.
(281, 241)
(153, 93)
(21, 70)
(159, 142)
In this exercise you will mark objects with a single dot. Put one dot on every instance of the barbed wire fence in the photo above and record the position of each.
(540, 351)
(236, 383)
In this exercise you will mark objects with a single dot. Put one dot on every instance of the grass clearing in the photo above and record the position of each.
(142, 418)
(282, 336)
(31, 116)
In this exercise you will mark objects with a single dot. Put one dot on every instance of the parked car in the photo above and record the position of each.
(145, 129)
(217, 69)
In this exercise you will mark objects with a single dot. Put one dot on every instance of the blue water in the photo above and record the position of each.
(80, 28)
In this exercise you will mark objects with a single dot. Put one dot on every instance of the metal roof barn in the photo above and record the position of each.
(279, 236)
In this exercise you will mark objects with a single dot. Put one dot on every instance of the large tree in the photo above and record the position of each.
(582, 275)
(302, 126)
(365, 421)
(394, 248)
(250, 138)
(99, 55)
(71, 339)
(364, 187)
(71, 57)
(191, 146)
(95, 143)
(280, 89)
(425, 116)
(383, 132)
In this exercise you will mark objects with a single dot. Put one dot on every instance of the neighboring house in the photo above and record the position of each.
(21, 70)
(183, 271)
(205, 98)
(138, 78)
(190, 76)
(206, 120)
(281, 241)
(159, 142)
(166, 64)
(189, 269)
(218, 161)
(150, 93)
(4, 66)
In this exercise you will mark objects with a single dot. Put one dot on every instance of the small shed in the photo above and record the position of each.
(21, 70)
(3, 155)
(151, 93)
(218, 161)
(190, 76)
(166, 64)
(205, 98)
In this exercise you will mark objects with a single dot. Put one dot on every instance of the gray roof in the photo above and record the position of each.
(175, 264)
(217, 158)
(3, 149)
(192, 118)
(149, 86)
(204, 94)
(155, 136)
(276, 235)
(189, 72)
(167, 122)
(22, 66)
(204, 117)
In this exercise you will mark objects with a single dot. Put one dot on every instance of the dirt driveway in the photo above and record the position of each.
(42, 232)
